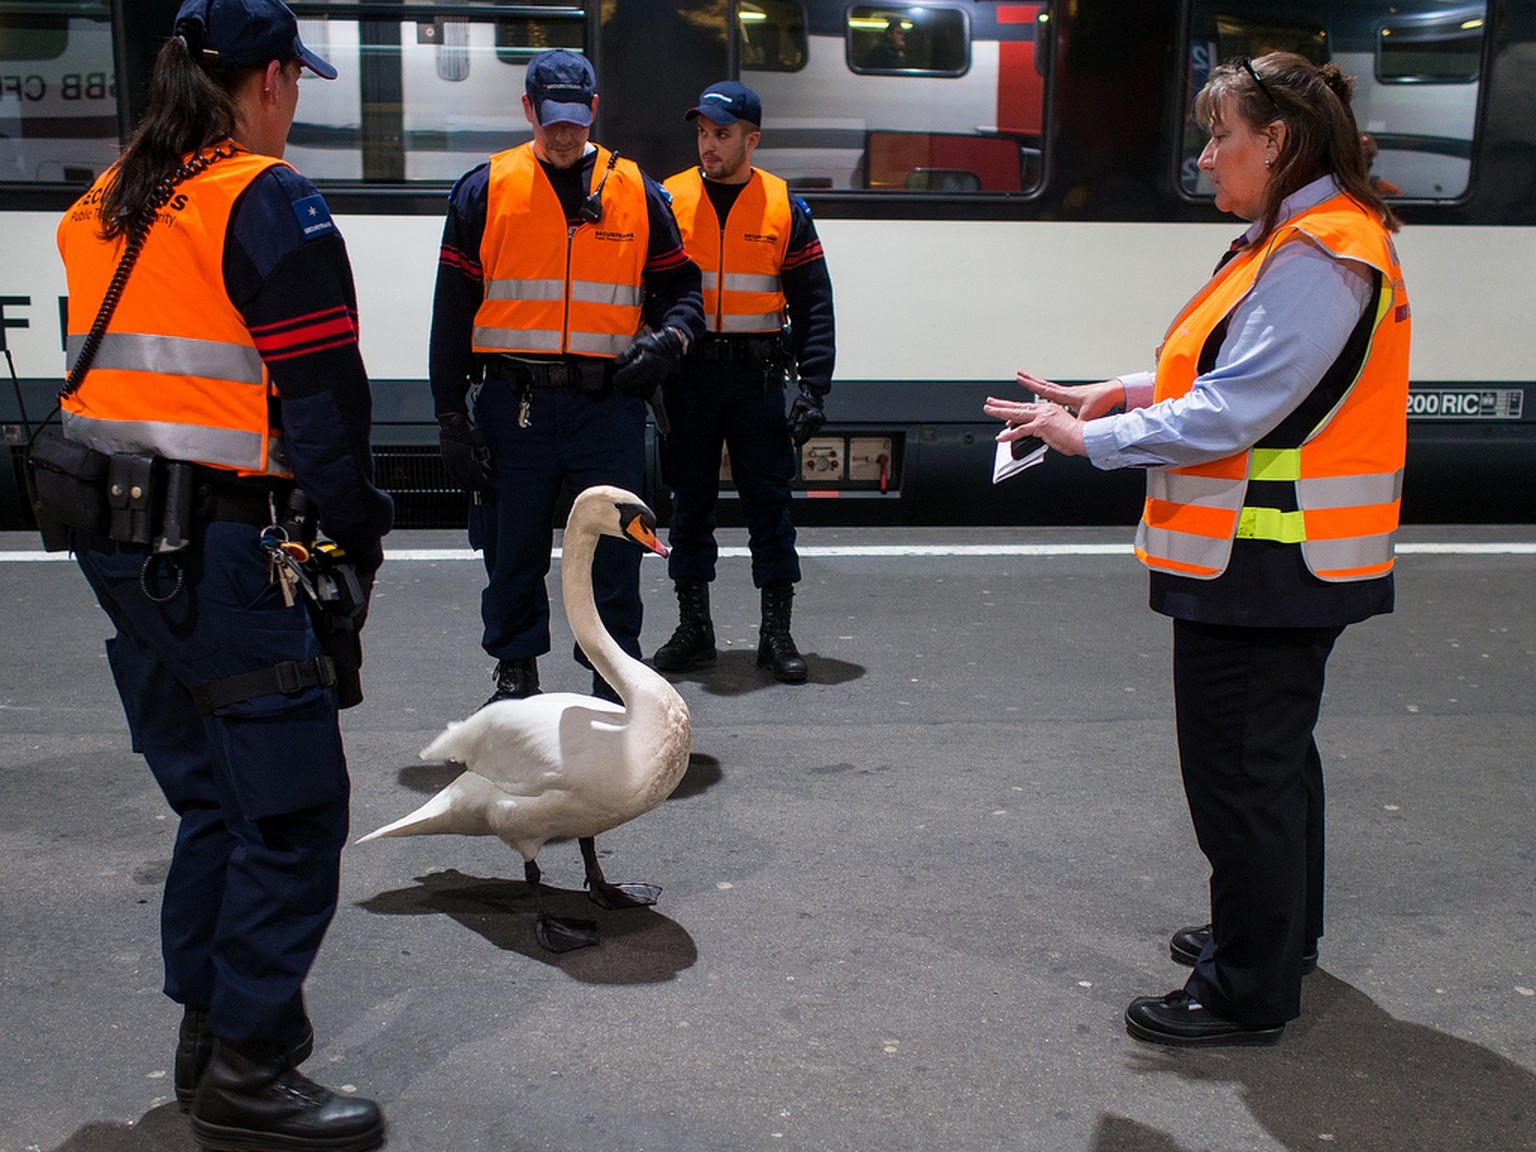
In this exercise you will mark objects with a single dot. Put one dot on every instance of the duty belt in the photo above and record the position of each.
(741, 349)
(586, 375)
(221, 495)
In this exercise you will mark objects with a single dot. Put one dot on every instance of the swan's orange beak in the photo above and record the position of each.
(645, 534)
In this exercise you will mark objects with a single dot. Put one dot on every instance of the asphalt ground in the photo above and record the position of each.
(904, 904)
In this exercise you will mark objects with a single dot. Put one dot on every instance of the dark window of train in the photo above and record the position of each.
(58, 92)
(772, 35)
(908, 41)
(1445, 51)
(422, 98)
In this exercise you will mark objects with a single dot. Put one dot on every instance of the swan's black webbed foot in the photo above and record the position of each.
(614, 897)
(617, 896)
(553, 933)
(565, 935)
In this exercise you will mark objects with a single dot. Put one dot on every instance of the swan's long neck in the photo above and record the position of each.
(617, 666)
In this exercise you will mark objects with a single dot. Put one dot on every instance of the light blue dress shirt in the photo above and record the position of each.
(1282, 337)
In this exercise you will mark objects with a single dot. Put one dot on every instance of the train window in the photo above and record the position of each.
(1438, 48)
(916, 41)
(1417, 67)
(772, 35)
(959, 114)
(58, 92)
(419, 99)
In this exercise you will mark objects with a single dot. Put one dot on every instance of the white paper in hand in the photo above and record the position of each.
(1016, 455)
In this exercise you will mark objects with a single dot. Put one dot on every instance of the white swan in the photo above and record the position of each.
(563, 765)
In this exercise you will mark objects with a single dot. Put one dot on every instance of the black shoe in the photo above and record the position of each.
(1181, 1020)
(692, 646)
(515, 680)
(1186, 945)
(776, 649)
(604, 690)
(251, 1100)
(194, 1046)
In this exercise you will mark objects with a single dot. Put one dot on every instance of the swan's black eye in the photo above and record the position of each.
(630, 513)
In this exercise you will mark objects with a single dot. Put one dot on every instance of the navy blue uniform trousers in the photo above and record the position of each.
(573, 439)
(1246, 702)
(732, 404)
(260, 786)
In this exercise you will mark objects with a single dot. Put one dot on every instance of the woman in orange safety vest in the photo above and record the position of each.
(1273, 434)
(230, 361)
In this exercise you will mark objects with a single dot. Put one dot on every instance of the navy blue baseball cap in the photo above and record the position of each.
(246, 34)
(727, 102)
(560, 86)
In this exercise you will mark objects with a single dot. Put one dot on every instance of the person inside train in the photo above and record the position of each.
(563, 299)
(212, 326)
(768, 310)
(1273, 433)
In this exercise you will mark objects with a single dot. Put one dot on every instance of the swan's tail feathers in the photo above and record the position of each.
(447, 744)
(436, 815)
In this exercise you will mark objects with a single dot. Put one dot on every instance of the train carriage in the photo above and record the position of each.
(997, 185)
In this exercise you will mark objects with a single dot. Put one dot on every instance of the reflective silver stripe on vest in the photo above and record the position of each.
(518, 339)
(172, 356)
(221, 446)
(599, 343)
(1204, 491)
(597, 292)
(1184, 548)
(525, 290)
(1371, 552)
(765, 322)
(1349, 491)
(750, 282)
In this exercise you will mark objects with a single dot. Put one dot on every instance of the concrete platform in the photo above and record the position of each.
(905, 904)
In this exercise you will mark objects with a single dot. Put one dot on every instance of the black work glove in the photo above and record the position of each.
(465, 453)
(805, 417)
(647, 362)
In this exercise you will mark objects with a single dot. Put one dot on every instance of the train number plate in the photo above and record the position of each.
(1466, 403)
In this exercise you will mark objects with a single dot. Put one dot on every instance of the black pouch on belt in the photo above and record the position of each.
(66, 483)
(131, 492)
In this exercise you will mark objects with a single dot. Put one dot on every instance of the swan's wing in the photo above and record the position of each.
(559, 740)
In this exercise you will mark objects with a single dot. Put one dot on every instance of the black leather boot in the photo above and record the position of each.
(251, 1099)
(776, 649)
(693, 644)
(515, 680)
(194, 1046)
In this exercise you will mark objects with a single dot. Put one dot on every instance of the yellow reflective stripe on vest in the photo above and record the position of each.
(171, 356)
(1275, 464)
(1271, 524)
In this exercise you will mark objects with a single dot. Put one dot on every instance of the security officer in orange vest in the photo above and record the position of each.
(1274, 434)
(563, 299)
(768, 309)
(228, 371)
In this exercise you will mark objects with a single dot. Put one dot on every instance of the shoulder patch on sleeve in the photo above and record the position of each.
(314, 217)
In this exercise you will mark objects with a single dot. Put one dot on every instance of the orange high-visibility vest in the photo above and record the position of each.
(551, 288)
(177, 373)
(741, 258)
(1347, 471)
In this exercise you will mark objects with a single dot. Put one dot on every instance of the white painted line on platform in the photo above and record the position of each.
(897, 551)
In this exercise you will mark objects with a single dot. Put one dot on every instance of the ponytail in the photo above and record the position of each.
(190, 107)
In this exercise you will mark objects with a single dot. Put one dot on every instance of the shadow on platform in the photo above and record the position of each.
(635, 945)
(1348, 1075)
